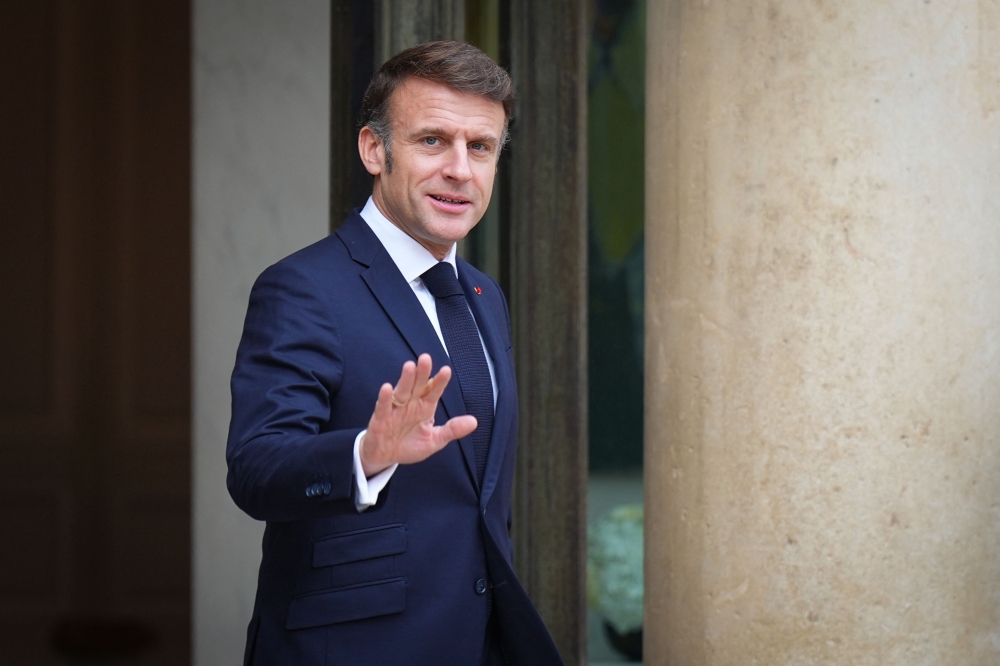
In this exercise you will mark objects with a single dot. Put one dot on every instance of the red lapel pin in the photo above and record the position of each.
(479, 291)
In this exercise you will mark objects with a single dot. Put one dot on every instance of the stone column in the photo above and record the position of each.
(400, 24)
(261, 89)
(823, 332)
(546, 203)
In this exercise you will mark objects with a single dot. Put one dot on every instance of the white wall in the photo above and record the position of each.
(261, 165)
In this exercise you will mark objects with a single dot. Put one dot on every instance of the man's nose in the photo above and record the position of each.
(457, 166)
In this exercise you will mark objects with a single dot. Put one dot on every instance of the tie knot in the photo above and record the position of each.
(441, 281)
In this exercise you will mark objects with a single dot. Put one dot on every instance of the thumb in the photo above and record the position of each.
(456, 428)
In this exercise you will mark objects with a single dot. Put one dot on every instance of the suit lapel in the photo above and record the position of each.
(495, 347)
(401, 305)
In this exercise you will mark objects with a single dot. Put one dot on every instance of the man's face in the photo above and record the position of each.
(444, 155)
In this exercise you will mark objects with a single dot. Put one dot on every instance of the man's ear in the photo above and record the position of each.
(371, 150)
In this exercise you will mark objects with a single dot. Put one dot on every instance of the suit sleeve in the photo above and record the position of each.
(289, 365)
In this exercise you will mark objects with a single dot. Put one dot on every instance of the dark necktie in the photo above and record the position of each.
(468, 361)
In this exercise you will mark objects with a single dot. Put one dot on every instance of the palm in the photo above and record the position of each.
(401, 429)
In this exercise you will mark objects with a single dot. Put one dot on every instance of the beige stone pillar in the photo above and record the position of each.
(823, 332)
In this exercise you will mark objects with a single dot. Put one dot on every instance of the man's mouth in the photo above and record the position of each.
(449, 199)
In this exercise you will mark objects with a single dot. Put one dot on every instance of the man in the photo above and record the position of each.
(388, 505)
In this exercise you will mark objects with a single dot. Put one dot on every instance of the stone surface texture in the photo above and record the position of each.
(261, 73)
(546, 203)
(823, 332)
(400, 24)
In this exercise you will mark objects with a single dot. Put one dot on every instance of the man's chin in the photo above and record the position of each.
(449, 230)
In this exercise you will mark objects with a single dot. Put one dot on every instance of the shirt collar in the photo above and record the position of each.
(411, 258)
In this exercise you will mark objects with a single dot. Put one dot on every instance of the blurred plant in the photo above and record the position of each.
(614, 568)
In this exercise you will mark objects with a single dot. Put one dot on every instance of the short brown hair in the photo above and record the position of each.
(457, 65)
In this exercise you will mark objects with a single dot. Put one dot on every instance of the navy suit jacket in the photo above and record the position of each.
(403, 582)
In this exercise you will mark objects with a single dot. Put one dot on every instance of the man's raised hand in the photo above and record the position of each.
(402, 428)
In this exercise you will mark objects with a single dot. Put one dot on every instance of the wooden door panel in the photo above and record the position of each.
(94, 330)
(152, 561)
(33, 524)
(154, 258)
(26, 85)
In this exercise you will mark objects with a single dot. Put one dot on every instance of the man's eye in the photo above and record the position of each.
(479, 146)
(431, 140)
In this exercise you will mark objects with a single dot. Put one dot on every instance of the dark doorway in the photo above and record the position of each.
(94, 397)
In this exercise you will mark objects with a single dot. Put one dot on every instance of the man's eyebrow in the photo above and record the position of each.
(440, 131)
(425, 131)
(486, 138)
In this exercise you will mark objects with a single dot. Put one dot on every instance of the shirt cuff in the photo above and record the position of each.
(367, 490)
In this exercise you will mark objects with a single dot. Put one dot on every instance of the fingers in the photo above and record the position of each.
(423, 373)
(436, 386)
(415, 381)
(383, 405)
(412, 381)
(404, 387)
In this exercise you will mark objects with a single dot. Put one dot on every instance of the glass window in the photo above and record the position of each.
(616, 138)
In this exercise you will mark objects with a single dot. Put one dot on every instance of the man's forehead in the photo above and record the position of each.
(419, 101)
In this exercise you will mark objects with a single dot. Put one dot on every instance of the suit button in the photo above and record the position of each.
(311, 491)
(480, 586)
(326, 488)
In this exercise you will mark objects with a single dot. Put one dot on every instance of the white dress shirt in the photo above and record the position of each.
(413, 260)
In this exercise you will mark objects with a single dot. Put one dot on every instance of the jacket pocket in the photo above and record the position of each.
(356, 602)
(359, 545)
